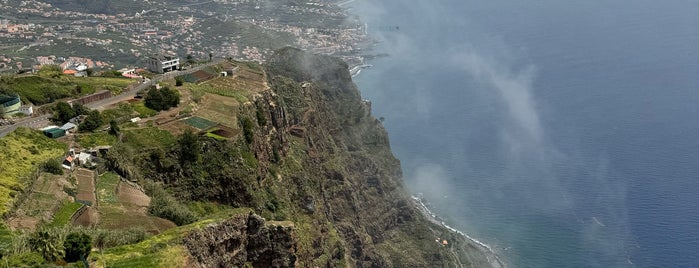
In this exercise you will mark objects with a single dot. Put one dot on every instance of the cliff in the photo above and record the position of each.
(310, 158)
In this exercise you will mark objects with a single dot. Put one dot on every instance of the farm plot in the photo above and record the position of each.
(177, 127)
(220, 108)
(222, 133)
(86, 186)
(123, 206)
(199, 122)
(41, 203)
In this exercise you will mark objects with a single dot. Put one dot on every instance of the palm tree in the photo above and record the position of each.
(46, 244)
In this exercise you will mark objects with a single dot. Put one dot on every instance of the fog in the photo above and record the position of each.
(474, 136)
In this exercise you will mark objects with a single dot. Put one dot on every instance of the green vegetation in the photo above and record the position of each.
(52, 166)
(91, 122)
(247, 129)
(48, 87)
(142, 110)
(239, 95)
(47, 244)
(62, 216)
(114, 128)
(163, 205)
(77, 247)
(163, 250)
(88, 140)
(20, 153)
(148, 138)
(199, 122)
(106, 187)
(162, 99)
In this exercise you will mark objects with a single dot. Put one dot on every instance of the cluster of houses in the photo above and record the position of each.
(84, 158)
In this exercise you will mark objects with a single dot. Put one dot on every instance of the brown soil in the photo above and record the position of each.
(86, 185)
(129, 195)
(225, 132)
(88, 218)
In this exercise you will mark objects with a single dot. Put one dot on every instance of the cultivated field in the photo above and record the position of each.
(123, 206)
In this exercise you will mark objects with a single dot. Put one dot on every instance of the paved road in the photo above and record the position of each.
(42, 120)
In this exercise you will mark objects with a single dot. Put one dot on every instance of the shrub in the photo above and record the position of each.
(91, 122)
(52, 166)
(77, 246)
(165, 206)
(247, 130)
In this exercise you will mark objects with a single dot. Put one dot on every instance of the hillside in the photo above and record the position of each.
(279, 166)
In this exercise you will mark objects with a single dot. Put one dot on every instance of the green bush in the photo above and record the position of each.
(165, 206)
(52, 166)
(77, 246)
(91, 122)
(247, 130)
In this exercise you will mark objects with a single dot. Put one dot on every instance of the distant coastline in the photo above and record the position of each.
(487, 250)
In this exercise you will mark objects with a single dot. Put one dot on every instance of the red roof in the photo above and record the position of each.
(69, 159)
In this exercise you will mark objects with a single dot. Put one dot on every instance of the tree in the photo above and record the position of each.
(189, 148)
(211, 56)
(77, 246)
(91, 122)
(63, 112)
(162, 99)
(80, 109)
(114, 128)
(46, 244)
(190, 59)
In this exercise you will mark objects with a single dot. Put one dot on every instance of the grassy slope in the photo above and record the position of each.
(163, 250)
(20, 154)
(44, 89)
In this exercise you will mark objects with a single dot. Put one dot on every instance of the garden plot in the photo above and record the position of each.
(86, 186)
(123, 206)
(219, 108)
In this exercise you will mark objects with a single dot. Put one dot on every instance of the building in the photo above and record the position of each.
(162, 63)
(54, 132)
(26, 109)
(9, 104)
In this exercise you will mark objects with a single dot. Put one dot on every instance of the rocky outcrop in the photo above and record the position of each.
(240, 241)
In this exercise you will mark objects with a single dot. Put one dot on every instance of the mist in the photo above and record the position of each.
(465, 115)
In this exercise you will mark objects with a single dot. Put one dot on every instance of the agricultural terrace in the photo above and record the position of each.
(123, 206)
(218, 99)
(41, 203)
(21, 152)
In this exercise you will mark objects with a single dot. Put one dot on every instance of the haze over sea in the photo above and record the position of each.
(562, 133)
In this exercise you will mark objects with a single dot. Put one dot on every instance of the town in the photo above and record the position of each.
(116, 35)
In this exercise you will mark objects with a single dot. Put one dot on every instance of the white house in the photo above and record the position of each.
(162, 63)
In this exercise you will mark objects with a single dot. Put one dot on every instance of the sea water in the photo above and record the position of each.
(561, 133)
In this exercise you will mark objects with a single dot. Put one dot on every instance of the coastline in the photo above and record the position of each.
(355, 69)
(487, 251)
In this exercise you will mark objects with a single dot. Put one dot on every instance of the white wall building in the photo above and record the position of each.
(162, 63)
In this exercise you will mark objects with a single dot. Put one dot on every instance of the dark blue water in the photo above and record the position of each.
(563, 133)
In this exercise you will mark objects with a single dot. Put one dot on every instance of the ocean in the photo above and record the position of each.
(561, 133)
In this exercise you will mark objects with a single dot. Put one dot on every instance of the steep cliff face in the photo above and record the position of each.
(310, 155)
(329, 167)
(240, 241)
